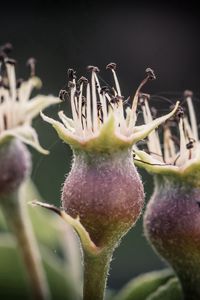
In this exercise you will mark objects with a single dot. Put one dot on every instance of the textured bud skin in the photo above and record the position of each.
(172, 225)
(105, 191)
(15, 164)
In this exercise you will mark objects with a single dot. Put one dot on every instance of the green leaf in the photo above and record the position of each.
(140, 287)
(169, 291)
(13, 282)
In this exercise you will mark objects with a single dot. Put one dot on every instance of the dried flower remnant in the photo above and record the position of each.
(16, 108)
(16, 114)
(177, 155)
(172, 219)
(96, 109)
(102, 195)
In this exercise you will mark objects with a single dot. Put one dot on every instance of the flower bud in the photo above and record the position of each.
(102, 195)
(15, 165)
(103, 188)
(105, 191)
(172, 225)
(172, 219)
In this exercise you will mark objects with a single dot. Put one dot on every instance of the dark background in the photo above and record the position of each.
(135, 36)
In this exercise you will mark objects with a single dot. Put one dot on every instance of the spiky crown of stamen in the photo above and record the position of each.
(91, 103)
(100, 114)
(181, 147)
(16, 111)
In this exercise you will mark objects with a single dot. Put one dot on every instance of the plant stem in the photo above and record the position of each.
(95, 275)
(16, 214)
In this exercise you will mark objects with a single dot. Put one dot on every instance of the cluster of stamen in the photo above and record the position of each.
(13, 93)
(178, 146)
(91, 103)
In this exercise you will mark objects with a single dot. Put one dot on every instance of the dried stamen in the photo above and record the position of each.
(111, 66)
(62, 94)
(179, 114)
(150, 73)
(188, 96)
(150, 76)
(31, 62)
(10, 61)
(71, 74)
(6, 48)
(19, 83)
(93, 69)
(82, 80)
(104, 89)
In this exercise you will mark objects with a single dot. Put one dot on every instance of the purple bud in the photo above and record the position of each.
(172, 225)
(105, 191)
(15, 164)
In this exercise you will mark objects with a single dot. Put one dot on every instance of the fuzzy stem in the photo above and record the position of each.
(96, 269)
(17, 218)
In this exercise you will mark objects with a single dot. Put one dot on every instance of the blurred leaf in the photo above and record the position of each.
(12, 274)
(2, 222)
(140, 287)
(44, 224)
(169, 291)
(13, 283)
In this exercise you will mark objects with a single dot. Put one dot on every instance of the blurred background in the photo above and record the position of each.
(135, 36)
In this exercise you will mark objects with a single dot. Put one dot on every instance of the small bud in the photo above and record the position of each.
(15, 165)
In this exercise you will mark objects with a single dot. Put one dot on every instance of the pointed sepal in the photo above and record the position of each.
(38, 103)
(24, 133)
(87, 244)
(143, 131)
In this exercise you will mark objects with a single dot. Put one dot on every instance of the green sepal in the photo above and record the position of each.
(25, 134)
(86, 242)
(189, 173)
(38, 103)
(141, 132)
(108, 138)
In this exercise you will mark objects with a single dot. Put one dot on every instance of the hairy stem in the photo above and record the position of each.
(95, 275)
(17, 218)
